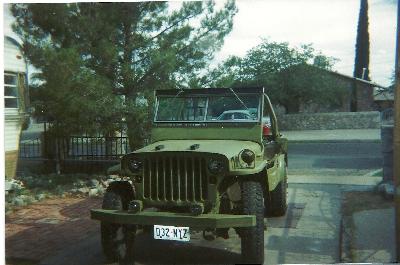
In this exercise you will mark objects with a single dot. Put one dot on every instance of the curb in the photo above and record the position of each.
(326, 141)
(335, 180)
(345, 253)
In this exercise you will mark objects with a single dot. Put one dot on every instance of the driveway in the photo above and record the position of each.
(59, 231)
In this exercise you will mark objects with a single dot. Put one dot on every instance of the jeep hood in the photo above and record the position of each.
(229, 148)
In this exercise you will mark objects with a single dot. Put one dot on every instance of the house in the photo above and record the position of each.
(384, 98)
(365, 94)
(15, 101)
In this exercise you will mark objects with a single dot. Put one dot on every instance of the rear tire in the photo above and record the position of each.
(252, 238)
(277, 204)
(117, 240)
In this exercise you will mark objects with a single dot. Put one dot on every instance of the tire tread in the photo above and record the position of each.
(253, 237)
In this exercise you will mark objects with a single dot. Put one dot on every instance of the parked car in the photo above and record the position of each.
(200, 173)
(235, 115)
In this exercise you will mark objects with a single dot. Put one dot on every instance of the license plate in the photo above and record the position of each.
(171, 233)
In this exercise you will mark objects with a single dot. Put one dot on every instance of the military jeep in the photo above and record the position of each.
(216, 161)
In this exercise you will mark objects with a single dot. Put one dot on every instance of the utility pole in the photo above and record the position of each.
(396, 136)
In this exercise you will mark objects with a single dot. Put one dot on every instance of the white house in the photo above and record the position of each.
(15, 101)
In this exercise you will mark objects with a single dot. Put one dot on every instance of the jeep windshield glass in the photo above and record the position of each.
(215, 108)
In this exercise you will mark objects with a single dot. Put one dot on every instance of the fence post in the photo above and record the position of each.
(57, 150)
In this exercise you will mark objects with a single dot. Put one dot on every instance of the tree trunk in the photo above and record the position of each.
(135, 134)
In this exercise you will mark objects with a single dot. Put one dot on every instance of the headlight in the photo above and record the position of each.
(215, 166)
(247, 156)
(134, 165)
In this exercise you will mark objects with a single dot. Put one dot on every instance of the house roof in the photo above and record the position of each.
(380, 92)
(344, 76)
(355, 78)
(382, 95)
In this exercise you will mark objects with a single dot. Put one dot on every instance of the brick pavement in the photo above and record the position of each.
(39, 230)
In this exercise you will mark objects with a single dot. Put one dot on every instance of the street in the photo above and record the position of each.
(339, 159)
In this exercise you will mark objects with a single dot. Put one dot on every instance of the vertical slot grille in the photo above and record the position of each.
(174, 178)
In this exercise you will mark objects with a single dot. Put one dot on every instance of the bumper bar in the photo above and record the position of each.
(202, 221)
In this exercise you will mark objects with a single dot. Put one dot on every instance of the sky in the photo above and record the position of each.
(330, 25)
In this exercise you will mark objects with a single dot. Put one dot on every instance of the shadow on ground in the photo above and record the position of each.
(149, 251)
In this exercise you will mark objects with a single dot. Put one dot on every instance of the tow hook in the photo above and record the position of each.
(209, 234)
(223, 232)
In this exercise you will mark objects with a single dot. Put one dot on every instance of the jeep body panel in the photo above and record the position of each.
(228, 148)
(214, 131)
(275, 173)
(204, 221)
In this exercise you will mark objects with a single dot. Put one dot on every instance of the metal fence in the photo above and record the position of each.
(96, 147)
(77, 153)
(80, 147)
(387, 116)
(30, 149)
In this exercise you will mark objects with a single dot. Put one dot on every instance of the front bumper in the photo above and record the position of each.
(203, 221)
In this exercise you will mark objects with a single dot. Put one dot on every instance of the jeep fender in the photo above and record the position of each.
(276, 173)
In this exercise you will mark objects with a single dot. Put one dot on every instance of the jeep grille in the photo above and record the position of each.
(174, 178)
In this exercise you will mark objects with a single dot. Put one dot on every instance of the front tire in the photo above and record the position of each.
(252, 238)
(117, 240)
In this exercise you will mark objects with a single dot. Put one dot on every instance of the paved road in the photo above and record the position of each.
(350, 158)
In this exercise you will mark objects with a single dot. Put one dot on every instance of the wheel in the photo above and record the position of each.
(117, 240)
(252, 238)
(277, 203)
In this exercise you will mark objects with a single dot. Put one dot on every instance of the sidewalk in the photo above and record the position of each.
(355, 135)
(368, 228)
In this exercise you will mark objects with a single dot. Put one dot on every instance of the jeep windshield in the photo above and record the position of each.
(208, 108)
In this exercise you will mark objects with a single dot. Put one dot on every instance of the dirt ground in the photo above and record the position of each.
(356, 201)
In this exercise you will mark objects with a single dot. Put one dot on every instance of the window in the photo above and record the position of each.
(216, 108)
(10, 91)
(181, 109)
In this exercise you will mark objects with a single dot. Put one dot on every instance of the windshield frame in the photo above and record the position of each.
(207, 97)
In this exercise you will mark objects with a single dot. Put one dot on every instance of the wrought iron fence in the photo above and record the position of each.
(31, 148)
(76, 147)
(96, 147)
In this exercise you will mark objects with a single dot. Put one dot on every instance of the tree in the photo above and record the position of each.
(101, 61)
(361, 62)
(362, 43)
(307, 84)
(292, 76)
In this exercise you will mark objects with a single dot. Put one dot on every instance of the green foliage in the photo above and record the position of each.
(292, 76)
(89, 53)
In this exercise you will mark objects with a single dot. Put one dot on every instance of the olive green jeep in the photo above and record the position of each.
(216, 161)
